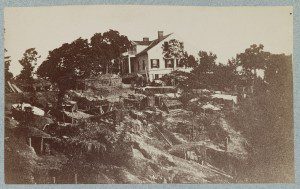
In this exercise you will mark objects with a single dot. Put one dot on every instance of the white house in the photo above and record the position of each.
(146, 58)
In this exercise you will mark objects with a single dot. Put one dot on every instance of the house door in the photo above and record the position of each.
(132, 60)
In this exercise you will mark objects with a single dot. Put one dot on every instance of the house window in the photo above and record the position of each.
(132, 50)
(156, 76)
(166, 45)
(178, 63)
(154, 63)
(151, 77)
(169, 63)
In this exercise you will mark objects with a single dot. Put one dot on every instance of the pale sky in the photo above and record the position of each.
(225, 31)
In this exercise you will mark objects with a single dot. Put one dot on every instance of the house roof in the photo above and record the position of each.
(172, 103)
(225, 97)
(40, 122)
(153, 44)
(41, 82)
(77, 115)
(36, 111)
(33, 132)
(143, 42)
(211, 107)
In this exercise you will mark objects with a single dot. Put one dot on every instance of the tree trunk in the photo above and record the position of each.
(60, 98)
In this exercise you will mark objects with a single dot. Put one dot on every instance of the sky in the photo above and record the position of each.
(225, 31)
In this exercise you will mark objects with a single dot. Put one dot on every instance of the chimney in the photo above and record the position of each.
(146, 39)
(160, 34)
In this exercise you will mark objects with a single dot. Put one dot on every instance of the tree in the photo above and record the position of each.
(188, 60)
(81, 59)
(226, 75)
(173, 49)
(278, 71)
(253, 58)
(7, 61)
(66, 64)
(178, 77)
(207, 61)
(107, 50)
(266, 119)
(202, 76)
(28, 62)
(191, 61)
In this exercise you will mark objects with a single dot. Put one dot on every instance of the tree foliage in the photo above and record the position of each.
(28, 62)
(173, 49)
(253, 58)
(203, 74)
(81, 59)
(267, 121)
(265, 116)
(7, 61)
(180, 78)
(207, 62)
(190, 61)
(70, 59)
(107, 50)
(278, 71)
(226, 75)
(66, 64)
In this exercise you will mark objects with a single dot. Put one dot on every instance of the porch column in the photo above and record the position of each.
(175, 62)
(129, 65)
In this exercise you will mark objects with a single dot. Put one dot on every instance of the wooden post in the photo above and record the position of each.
(174, 65)
(29, 141)
(203, 154)
(42, 145)
(146, 71)
(72, 120)
(226, 144)
(63, 117)
(193, 134)
(101, 110)
(75, 178)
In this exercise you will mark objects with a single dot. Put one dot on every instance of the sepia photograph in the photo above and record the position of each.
(148, 94)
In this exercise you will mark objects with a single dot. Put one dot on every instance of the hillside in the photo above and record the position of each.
(148, 145)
